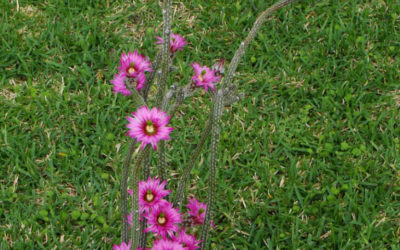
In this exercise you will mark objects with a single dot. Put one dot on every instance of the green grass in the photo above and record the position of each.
(309, 159)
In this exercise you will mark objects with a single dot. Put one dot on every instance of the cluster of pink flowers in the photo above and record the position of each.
(131, 66)
(134, 65)
(149, 126)
(163, 220)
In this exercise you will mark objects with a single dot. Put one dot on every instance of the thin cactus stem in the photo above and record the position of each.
(146, 167)
(143, 235)
(180, 96)
(162, 162)
(137, 98)
(165, 58)
(167, 98)
(124, 191)
(146, 175)
(135, 197)
(165, 55)
(150, 79)
(137, 234)
(215, 132)
(186, 172)
(250, 37)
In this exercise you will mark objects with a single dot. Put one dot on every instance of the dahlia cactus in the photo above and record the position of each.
(151, 212)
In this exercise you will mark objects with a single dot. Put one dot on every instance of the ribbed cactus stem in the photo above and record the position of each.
(150, 79)
(162, 161)
(143, 235)
(124, 191)
(165, 58)
(137, 98)
(250, 37)
(186, 172)
(165, 54)
(146, 167)
(215, 132)
(135, 197)
(146, 175)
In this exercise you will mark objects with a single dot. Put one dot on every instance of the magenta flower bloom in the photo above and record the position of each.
(163, 220)
(176, 42)
(123, 246)
(140, 80)
(188, 241)
(119, 83)
(197, 211)
(204, 76)
(149, 126)
(134, 64)
(164, 244)
(151, 193)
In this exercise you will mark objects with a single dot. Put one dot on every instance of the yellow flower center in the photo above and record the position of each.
(202, 74)
(161, 220)
(149, 196)
(150, 128)
(131, 69)
(201, 211)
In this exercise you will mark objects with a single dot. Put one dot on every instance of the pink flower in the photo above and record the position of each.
(176, 42)
(134, 64)
(149, 126)
(188, 241)
(164, 244)
(163, 220)
(123, 246)
(204, 76)
(197, 211)
(151, 193)
(119, 83)
(140, 80)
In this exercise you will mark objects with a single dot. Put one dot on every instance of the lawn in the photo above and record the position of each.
(308, 159)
